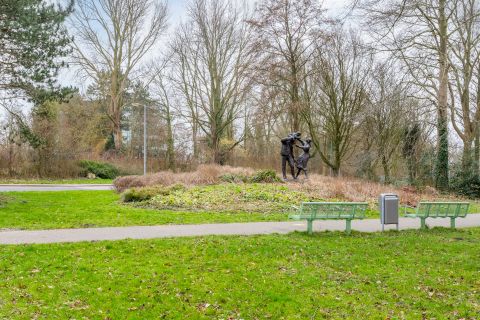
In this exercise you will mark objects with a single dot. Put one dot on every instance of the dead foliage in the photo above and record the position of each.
(318, 186)
(353, 189)
(203, 175)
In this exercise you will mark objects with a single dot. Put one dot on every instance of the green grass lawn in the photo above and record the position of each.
(56, 181)
(247, 197)
(409, 275)
(80, 209)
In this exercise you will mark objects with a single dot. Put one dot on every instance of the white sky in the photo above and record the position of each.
(177, 7)
(177, 13)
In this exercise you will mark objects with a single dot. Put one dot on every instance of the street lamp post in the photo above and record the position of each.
(135, 104)
(144, 139)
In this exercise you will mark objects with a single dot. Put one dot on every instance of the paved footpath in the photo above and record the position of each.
(252, 228)
(54, 187)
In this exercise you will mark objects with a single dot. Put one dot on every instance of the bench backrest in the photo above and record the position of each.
(333, 210)
(442, 209)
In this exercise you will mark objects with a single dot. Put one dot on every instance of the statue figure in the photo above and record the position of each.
(302, 160)
(287, 153)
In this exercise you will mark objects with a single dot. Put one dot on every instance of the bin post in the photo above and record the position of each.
(452, 222)
(348, 229)
(388, 204)
(422, 223)
(309, 226)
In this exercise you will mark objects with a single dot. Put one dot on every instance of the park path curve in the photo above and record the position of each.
(251, 228)
(54, 187)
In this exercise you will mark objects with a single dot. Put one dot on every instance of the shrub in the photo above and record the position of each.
(3, 200)
(139, 194)
(265, 176)
(467, 185)
(146, 193)
(123, 183)
(245, 197)
(203, 175)
(233, 178)
(99, 169)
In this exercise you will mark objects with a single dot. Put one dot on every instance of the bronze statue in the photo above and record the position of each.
(302, 161)
(287, 153)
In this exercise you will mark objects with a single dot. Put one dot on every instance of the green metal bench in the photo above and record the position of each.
(450, 210)
(348, 211)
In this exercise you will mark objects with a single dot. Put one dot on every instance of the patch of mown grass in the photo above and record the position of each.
(249, 197)
(407, 275)
(228, 197)
(102, 170)
(80, 209)
(4, 200)
(232, 197)
(474, 207)
(56, 181)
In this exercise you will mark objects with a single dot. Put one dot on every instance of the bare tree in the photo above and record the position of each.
(385, 116)
(212, 54)
(417, 33)
(266, 119)
(184, 77)
(111, 38)
(338, 95)
(163, 91)
(464, 44)
(10, 141)
(286, 31)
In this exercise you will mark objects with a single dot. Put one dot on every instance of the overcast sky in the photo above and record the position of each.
(177, 7)
(177, 14)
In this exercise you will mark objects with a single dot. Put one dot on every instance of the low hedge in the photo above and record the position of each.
(99, 169)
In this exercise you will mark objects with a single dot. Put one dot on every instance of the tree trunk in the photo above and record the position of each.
(11, 172)
(467, 159)
(337, 161)
(295, 102)
(217, 154)
(386, 169)
(170, 143)
(115, 117)
(411, 170)
(335, 171)
(215, 147)
(441, 170)
(294, 119)
(441, 174)
(194, 140)
(117, 132)
(476, 159)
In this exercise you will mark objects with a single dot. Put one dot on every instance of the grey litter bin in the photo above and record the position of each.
(388, 203)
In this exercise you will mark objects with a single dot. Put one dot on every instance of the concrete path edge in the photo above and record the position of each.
(171, 231)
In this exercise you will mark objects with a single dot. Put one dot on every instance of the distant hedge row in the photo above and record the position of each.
(99, 169)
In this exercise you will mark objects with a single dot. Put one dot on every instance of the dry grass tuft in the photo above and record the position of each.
(316, 187)
(204, 175)
(352, 189)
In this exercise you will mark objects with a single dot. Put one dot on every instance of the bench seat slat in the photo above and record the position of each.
(311, 211)
(450, 210)
(440, 210)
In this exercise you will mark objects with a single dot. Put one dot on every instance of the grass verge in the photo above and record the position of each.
(84, 209)
(244, 197)
(56, 181)
(407, 275)
(267, 198)
(81, 209)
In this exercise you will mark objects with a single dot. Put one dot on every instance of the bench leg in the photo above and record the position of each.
(348, 229)
(422, 223)
(452, 222)
(309, 226)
